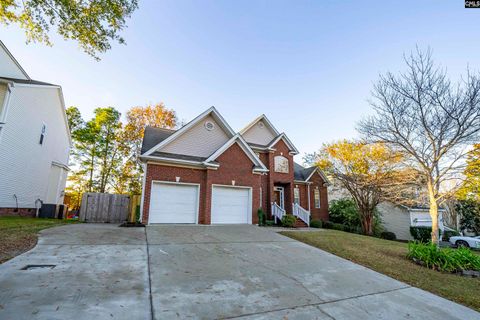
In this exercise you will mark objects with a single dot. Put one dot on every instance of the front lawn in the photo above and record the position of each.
(389, 258)
(19, 234)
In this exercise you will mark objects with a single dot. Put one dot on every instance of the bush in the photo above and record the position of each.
(344, 211)
(388, 235)
(422, 234)
(449, 233)
(316, 223)
(269, 223)
(339, 226)
(288, 221)
(327, 225)
(447, 259)
(261, 217)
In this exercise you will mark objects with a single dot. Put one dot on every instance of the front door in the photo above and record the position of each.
(278, 196)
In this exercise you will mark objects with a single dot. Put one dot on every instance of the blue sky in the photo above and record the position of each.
(308, 65)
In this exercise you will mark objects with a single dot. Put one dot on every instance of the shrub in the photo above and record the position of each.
(288, 221)
(422, 234)
(447, 259)
(344, 211)
(449, 233)
(316, 223)
(327, 225)
(339, 226)
(269, 223)
(261, 217)
(388, 235)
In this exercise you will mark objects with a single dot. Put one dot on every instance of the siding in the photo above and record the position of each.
(395, 219)
(25, 164)
(198, 141)
(8, 68)
(259, 135)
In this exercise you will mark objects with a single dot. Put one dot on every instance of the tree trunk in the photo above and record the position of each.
(433, 212)
(367, 223)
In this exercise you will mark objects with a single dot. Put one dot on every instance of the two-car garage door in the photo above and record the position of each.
(179, 203)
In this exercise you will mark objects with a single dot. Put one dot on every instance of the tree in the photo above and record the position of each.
(470, 188)
(93, 24)
(422, 114)
(140, 117)
(137, 119)
(371, 173)
(469, 211)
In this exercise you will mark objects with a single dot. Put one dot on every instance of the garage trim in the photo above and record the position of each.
(176, 183)
(250, 212)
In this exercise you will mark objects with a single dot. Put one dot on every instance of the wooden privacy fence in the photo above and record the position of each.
(104, 207)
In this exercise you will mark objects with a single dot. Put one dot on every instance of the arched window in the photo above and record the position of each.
(281, 164)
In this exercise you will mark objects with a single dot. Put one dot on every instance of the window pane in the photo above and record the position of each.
(296, 195)
(317, 198)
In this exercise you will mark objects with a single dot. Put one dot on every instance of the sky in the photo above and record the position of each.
(308, 65)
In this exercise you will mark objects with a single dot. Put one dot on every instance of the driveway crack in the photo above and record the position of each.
(152, 314)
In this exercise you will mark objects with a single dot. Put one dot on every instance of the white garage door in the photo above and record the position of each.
(230, 205)
(173, 203)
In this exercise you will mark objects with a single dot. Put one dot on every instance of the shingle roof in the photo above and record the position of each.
(24, 81)
(154, 136)
(301, 173)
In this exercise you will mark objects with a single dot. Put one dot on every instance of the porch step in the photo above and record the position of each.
(300, 224)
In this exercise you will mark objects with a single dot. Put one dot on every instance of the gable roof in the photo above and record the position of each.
(287, 141)
(259, 166)
(256, 120)
(13, 60)
(211, 111)
(301, 173)
(153, 136)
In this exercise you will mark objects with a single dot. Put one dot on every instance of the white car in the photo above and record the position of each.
(468, 242)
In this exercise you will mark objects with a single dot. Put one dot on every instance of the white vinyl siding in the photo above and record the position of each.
(25, 164)
(296, 195)
(395, 219)
(8, 68)
(259, 133)
(173, 203)
(231, 205)
(316, 197)
(198, 141)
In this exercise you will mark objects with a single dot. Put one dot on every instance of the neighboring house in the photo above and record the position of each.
(395, 218)
(34, 140)
(398, 219)
(206, 173)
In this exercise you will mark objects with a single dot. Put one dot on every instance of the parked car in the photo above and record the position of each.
(468, 242)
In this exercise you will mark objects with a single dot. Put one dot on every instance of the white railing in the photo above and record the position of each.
(301, 213)
(277, 212)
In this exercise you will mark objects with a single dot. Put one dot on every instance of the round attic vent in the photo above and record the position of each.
(209, 125)
(261, 125)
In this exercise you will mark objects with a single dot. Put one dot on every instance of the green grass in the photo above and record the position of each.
(389, 258)
(19, 234)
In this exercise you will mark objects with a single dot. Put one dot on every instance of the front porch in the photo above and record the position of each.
(282, 205)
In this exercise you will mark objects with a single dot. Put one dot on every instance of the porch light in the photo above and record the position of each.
(177, 179)
(233, 182)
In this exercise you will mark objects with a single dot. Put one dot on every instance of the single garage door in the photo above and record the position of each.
(173, 203)
(230, 205)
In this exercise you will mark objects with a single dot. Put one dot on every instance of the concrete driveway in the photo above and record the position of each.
(207, 272)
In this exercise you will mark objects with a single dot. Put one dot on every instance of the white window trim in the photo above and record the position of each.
(296, 189)
(315, 192)
(6, 101)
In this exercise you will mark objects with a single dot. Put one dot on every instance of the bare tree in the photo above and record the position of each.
(421, 113)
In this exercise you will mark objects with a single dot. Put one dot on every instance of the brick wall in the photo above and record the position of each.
(22, 212)
(234, 165)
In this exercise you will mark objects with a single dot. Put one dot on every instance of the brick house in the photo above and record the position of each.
(206, 173)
